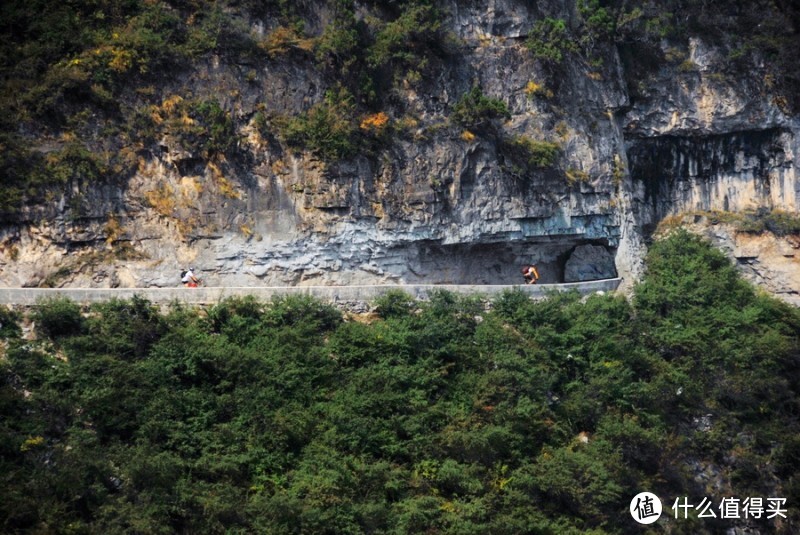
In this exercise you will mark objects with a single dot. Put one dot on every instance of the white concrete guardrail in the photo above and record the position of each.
(211, 295)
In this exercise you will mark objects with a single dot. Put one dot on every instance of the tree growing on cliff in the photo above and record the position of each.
(476, 111)
(329, 128)
(550, 41)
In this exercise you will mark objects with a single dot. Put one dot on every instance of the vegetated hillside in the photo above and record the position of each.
(285, 142)
(436, 417)
(763, 246)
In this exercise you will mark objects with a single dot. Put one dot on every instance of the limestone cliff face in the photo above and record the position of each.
(698, 143)
(434, 205)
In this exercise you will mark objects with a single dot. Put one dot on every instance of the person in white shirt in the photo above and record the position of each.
(188, 279)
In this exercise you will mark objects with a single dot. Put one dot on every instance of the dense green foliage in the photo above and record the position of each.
(437, 417)
(523, 154)
(549, 41)
(474, 110)
(328, 129)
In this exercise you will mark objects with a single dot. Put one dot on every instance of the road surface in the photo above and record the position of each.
(210, 295)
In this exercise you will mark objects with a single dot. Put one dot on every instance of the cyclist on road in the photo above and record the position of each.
(189, 279)
(530, 273)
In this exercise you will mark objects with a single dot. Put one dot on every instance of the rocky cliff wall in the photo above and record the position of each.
(439, 203)
(702, 142)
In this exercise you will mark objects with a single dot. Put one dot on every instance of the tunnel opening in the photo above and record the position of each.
(558, 260)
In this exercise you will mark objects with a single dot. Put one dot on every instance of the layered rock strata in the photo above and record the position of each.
(435, 205)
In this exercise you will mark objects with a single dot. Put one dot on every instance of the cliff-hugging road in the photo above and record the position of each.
(207, 295)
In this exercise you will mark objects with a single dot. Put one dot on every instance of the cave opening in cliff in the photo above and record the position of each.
(558, 260)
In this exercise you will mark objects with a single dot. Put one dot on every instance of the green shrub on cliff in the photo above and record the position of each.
(328, 129)
(403, 44)
(526, 152)
(75, 162)
(778, 222)
(218, 134)
(200, 126)
(22, 172)
(30, 175)
(58, 317)
(476, 111)
(550, 41)
(337, 47)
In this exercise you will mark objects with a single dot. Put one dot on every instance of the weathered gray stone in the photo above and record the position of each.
(589, 262)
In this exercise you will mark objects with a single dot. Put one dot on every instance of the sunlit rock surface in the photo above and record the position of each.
(432, 207)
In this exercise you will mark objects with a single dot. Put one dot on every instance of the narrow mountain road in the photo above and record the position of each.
(210, 295)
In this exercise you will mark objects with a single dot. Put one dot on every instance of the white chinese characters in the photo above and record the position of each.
(730, 507)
